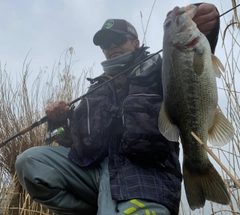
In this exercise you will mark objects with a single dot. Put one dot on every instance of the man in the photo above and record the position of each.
(118, 163)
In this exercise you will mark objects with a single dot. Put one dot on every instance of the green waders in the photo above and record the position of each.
(56, 182)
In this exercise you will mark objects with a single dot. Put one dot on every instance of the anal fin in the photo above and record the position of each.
(221, 131)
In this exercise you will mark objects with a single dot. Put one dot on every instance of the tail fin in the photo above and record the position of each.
(204, 186)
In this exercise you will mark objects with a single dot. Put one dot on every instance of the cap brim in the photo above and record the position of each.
(102, 34)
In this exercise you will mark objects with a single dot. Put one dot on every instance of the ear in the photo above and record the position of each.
(136, 42)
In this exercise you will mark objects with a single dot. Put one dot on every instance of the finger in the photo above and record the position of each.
(57, 111)
(205, 13)
(51, 113)
(207, 27)
(204, 9)
(201, 19)
(59, 107)
(206, 18)
(49, 110)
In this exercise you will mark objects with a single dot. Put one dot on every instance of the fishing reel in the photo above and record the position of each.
(57, 134)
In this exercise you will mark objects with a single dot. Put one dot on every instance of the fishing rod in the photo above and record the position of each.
(45, 118)
(229, 10)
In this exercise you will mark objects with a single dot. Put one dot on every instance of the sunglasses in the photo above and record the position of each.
(117, 40)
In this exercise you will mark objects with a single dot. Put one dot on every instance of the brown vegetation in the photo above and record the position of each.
(22, 103)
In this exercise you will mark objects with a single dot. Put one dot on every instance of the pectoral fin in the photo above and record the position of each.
(166, 128)
(221, 131)
(198, 63)
(217, 66)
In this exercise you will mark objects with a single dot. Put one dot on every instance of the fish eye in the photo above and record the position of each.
(167, 23)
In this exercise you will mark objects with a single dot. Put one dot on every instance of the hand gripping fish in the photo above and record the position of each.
(191, 104)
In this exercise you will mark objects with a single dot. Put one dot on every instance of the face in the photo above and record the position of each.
(115, 50)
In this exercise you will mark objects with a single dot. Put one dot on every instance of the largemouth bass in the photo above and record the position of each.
(190, 103)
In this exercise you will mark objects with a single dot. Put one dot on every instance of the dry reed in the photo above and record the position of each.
(22, 103)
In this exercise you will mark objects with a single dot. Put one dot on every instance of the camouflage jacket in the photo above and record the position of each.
(123, 125)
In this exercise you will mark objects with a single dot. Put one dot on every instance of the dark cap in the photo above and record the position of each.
(120, 26)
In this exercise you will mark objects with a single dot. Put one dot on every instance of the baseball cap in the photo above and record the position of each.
(119, 26)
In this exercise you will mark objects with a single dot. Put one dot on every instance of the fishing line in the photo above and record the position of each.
(45, 118)
(229, 10)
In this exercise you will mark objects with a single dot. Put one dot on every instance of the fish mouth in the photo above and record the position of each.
(177, 11)
(174, 13)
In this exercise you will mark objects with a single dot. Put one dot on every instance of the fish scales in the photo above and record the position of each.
(186, 102)
(190, 103)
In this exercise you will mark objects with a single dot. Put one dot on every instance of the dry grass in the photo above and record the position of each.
(22, 103)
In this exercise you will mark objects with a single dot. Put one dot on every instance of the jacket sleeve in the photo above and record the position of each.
(213, 35)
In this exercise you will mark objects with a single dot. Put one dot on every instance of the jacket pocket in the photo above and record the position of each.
(141, 136)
